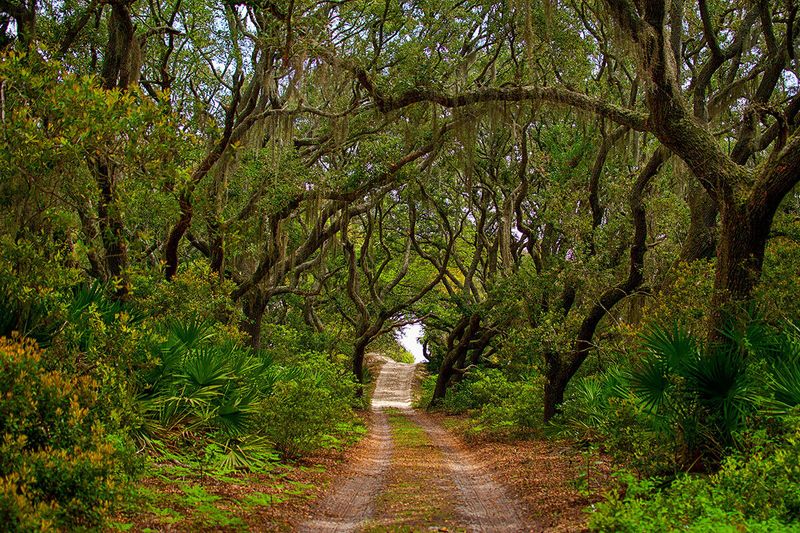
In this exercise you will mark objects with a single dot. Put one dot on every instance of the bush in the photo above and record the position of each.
(755, 492)
(600, 409)
(683, 404)
(57, 466)
(233, 406)
(498, 404)
(301, 413)
(479, 388)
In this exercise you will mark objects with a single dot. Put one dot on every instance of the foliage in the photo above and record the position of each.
(389, 346)
(300, 414)
(193, 294)
(754, 491)
(33, 286)
(209, 210)
(601, 409)
(686, 401)
(498, 406)
(240, 402)
(59, 467)
(703, 394)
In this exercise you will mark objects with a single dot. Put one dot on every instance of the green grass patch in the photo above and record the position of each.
(404, 431)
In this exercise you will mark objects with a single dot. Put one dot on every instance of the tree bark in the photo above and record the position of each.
(701, 239)
(253, 306)
(740, 258)
(359, 352)
(112, 228)
(457, 343)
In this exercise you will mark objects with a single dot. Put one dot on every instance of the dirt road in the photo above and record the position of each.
(413, 475)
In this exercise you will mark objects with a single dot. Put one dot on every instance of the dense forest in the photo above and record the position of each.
(215, 213)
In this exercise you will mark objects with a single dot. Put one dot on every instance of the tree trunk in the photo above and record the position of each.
(740, 257)
(253, 306)
(463, 332)
(554, 388)
(123, 57)
(112, 229)
(24, 15)
(701, 239)
(561, 369)
(175, 235)
(359, 351)
(442, 381)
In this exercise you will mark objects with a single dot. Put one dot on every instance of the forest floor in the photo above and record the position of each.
(409, 473)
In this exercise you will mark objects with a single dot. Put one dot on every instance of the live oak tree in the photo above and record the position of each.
(746, 181)
(544, 143)
(384, 276)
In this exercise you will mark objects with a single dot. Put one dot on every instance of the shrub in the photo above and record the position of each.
(479, 388)
(601, 409)
(498, 404)
(204, 390)
(57, 466)
(755, 492)
(685, 402)
(232, 405)
(302, 411)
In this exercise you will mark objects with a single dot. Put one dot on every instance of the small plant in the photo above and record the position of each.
(498, 406)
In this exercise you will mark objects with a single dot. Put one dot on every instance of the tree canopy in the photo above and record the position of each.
(536, 183)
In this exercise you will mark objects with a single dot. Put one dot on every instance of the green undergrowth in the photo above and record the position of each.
(191, 487)
(102, 393)
(707, 436)
(497, 407)
(182, 494)
(757, 490)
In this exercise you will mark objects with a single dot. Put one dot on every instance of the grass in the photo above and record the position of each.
(404, 431)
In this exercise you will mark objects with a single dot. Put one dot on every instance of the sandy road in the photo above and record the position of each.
(482, 503)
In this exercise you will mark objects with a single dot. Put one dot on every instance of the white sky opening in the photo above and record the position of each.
(408, 336)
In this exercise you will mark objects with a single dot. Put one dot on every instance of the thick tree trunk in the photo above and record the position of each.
(554, 386)
(123, 57)
(701, 239)
(253, 306)
(457, 344)
(175, 235)
(442, 379)
(121, 65)
(740, 257)
(112, 229)
(359, 352)
(310, 316)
